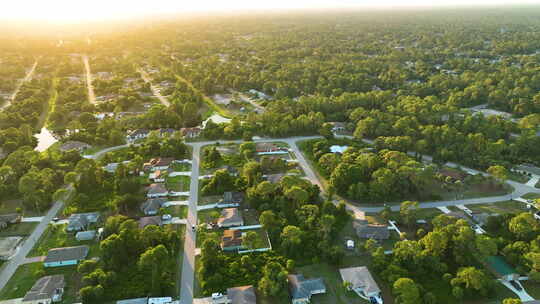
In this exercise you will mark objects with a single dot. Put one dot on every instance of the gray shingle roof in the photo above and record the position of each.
(301, 288)
(367, 231)
(360, 278)
(45, 288)
(67, 254)
(152, 205)
(242, 295)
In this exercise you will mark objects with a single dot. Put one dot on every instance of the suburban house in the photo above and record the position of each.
(9, 219)
(81, 221)
(230, 217)
(231, 170)
(338, 149)
(232, 198)
(364, 230)
(360, 281)
(338, 126)
(74, 145)
(259, 94)
(157, 190)
(85, 235)
(274, 178)
(46, 290)
(302, 289)
(157, 176)
(460, 215)
(137, 134)
(191, 132)
(65, 256)
(147, 300)
(231, 240)
(267, 147)
(158, 164)
(166, 132)
(152, 205)
(150, 220)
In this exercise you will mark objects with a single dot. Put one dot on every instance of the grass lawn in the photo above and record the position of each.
(499, 208)
(55, 237)
(517, 177)
(531, 195)
(176, 211)
(208, 200)
(251, 217)
(178, 183)
(20, 229)
(11, 205)
(26, 275)
(532, 288)
(181, 167)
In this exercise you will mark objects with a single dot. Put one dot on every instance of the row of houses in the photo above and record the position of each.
(301, 289)
(139, 134)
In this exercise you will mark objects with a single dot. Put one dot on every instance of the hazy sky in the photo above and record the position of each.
(69, 10)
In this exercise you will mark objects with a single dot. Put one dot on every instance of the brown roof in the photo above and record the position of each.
(266, 147)
(149, 220)
(229, 216)
(275, 178)
(231, 238)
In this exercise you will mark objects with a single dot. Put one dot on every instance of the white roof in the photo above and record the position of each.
(164, 300)
(338, 149)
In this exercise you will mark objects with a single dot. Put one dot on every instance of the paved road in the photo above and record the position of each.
(190, 241)
(258, 107)
(153, 87)
(100, 153)
(20, 258)
(188, 267)
(89, 85)
(19, 86)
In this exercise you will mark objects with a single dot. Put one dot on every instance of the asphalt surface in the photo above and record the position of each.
(153, 87)
(188, 267)
(19, 85)
(90, 87)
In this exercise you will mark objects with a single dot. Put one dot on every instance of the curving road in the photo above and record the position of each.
(188, 267)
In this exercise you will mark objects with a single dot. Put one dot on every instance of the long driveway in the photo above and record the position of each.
(153, 87)
(89, 85)
(19, 86)
(20, 257)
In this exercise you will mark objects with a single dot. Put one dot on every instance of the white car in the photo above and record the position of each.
(166, 217)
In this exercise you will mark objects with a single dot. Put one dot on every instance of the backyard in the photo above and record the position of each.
(20, 229)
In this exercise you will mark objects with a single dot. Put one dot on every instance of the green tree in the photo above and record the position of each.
(274, 280)
(407, 291)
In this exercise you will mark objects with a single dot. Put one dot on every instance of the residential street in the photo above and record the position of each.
(91, 95)
(153, 87)
(190, 242)
(19, 85)
(20, 258)
(188, 267)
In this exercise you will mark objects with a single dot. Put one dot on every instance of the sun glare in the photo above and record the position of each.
(82, 10)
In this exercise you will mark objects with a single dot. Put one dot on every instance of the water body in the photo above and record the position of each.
(216, 118)
(45, 140)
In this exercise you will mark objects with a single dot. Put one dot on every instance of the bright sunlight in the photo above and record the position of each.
(79, 10)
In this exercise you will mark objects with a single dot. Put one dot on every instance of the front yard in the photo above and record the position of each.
(178, 183)
(499, 208)
(56, 236)
(20, 229)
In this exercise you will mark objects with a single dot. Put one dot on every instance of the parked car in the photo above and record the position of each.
(166, 217)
